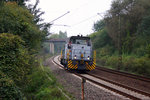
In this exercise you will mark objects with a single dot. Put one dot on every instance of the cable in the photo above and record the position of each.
(61, 25)
(84, 20)
(60, 17)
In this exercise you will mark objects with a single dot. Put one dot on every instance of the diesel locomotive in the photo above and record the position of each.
(78, 54)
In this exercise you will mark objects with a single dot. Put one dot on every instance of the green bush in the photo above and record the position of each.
(140, 51)
(36, 80)
(19, 21)
(51, 93)
(103, 52)
(129, 63)
(42, 86)
(148, 50)
(8, 89)
(100, 39)
(141, 66)
(112, 61)
(14, 57)
(136, 65)
(101, 60)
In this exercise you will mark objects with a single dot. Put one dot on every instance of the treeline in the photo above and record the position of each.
(122, 37)
(21, 36)
(58, 46)
(61, 35)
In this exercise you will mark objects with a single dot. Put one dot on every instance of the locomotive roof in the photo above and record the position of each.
(79, 37)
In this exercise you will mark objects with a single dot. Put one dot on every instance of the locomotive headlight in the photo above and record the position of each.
(88, 58)
(75, 57)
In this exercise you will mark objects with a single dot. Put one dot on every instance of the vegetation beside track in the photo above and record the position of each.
(22, 76)
(122, 38)
(43, 85)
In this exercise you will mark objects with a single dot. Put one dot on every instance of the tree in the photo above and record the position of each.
(122, 20)
(142, 41)
(98, 25)
(19, 21)
(19, 2)
(100, 39)
(14, 57)
(37, 13)
(61, 35)
(8, 89)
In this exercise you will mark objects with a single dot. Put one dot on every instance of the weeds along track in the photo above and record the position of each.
(113, 81)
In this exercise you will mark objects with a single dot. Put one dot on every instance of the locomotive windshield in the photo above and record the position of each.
(80, 40)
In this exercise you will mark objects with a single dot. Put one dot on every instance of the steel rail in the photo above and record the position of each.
(122, 85)
(112, 89)
(112, 82)
(137, 77)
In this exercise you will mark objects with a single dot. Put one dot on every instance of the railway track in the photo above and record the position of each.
(137, 77)
(124, 90)
(139, 83)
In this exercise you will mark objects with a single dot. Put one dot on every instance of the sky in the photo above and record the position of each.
(80, 19)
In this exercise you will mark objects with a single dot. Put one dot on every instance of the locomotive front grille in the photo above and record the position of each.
(81, 54)
(81, 65)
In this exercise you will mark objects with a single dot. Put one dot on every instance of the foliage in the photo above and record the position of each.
(61, 35)
(21, 35)
(8, 89)
(15, 66)
(58, 46)
(99, 25)
(145, 27)
(100, 39)
(124, 32)
(46, 93)
(129, 63)
(37, 13)
(126, 45)
(148, 50)
(19, 21)
(123, 18)
(46, 47)
(112, 61)
(19, 2)
(137, 65)
(14, 57)
(42, 85)
(142, 40)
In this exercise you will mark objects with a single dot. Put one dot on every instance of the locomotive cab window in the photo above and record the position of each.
(81, 41)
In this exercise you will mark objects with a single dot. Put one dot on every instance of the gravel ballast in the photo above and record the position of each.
(135, 83)
(72, 84)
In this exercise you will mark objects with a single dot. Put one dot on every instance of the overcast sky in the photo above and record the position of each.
(80, 20)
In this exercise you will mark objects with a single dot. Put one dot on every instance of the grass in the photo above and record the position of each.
(43, 85)
(129, 63)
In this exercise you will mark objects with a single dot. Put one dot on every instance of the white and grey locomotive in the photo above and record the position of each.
(78, 54)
